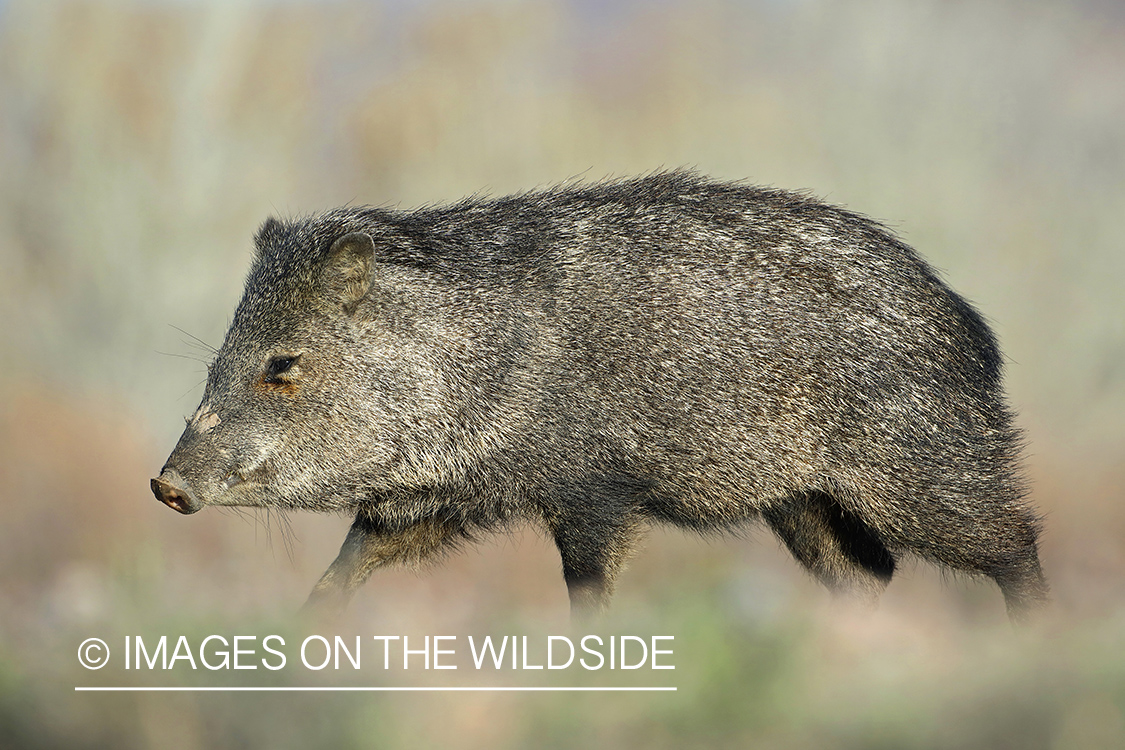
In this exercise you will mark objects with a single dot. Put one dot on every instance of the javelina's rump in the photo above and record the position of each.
(596, 358)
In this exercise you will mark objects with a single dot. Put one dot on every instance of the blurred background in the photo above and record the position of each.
(143, 143)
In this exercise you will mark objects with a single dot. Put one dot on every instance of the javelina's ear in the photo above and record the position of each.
(348, 271)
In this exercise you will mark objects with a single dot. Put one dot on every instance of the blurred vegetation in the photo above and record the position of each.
(141, 144)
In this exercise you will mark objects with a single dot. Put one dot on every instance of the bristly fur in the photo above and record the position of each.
(598, 357)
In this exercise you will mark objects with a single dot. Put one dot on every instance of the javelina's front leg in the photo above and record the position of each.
(595, 528)
(591, 563)
(370, 545)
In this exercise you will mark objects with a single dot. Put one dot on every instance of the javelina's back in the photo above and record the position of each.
(662, 349)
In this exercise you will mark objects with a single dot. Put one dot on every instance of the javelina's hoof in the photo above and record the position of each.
(324, 608)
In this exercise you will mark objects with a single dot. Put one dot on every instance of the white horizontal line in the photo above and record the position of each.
(369, 689)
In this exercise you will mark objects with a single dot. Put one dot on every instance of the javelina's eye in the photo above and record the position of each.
(278, 366)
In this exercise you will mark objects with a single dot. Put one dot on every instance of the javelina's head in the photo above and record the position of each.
(337, 379)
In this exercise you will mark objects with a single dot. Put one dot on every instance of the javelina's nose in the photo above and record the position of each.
(171, 489)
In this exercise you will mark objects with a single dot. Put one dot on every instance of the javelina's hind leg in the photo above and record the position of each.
(370, 545)
(998, 540)
(1014, 565)
(1025, 589)
(836, 545)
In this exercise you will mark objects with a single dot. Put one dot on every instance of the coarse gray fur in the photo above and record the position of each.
(596, 358)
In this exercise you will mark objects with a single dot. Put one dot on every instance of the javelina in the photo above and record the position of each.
(595, 358)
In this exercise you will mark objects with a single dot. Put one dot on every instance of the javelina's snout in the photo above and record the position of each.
(172, 490)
